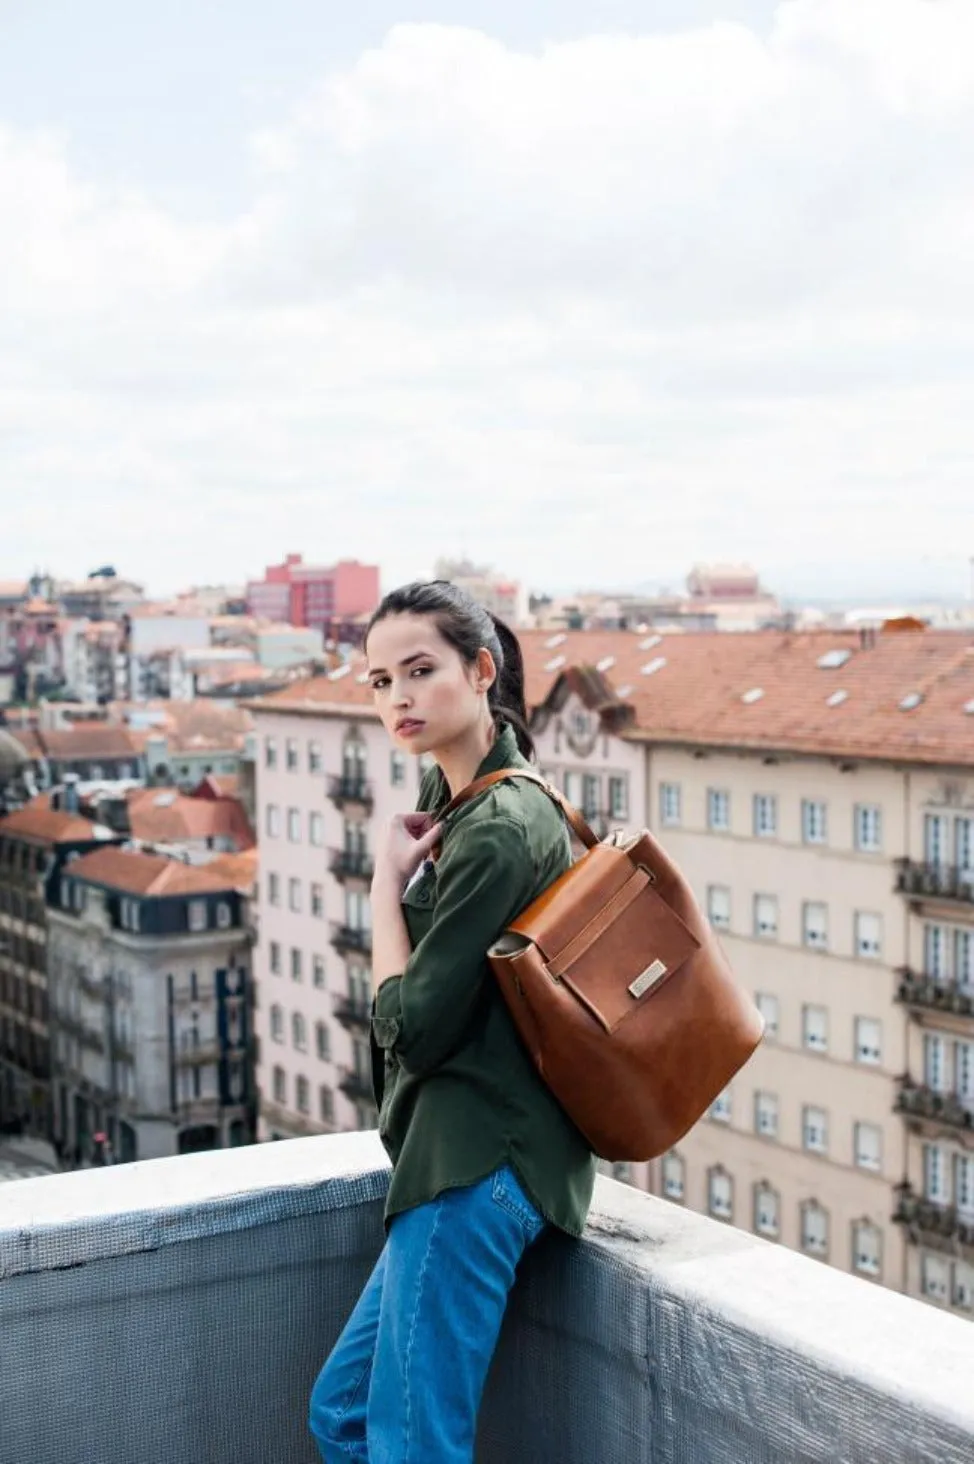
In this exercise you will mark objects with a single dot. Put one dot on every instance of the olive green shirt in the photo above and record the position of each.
(457, 1093)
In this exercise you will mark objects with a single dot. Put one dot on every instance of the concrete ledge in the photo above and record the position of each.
(177, 1311)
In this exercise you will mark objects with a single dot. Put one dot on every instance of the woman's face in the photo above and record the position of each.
(425, 693)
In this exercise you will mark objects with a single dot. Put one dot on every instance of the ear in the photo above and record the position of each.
(486, 670)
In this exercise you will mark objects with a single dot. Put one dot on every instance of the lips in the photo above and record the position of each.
(408, 725)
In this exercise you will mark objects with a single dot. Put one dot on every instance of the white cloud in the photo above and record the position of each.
(591, 313)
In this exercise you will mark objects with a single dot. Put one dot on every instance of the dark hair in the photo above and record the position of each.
(468, 627)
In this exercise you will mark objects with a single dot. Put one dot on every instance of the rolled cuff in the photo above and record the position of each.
(387, 1012)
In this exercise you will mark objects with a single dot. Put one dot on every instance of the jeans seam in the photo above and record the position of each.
(412, 1327)
(529, 1223)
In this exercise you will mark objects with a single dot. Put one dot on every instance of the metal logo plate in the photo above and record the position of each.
(649, 978)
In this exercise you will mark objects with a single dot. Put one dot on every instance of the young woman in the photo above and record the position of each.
(483, 1157)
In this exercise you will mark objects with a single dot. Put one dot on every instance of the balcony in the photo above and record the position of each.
(919, 990)
(925, 881)
(354, 1013)
(941, 1227)
(204, 1052)
(351, 940)
(351, 792)
(947, 1110)
(346, 865)
(659, 1337)
(356, 1085)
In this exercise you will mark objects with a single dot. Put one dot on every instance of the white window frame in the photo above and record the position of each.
(272, 821)
(296, 967)
(315, 758)
(935, 1174)
(277, 1023)
(815, 1129)
(279, 1089)
(618, 796)
(294, 895)
(270, 752)
(935, 1074)
(815, 1028)
(767, 1211)
(294, 825)
(719, 906)
(274, 957)
(273, 888)
(322, 1041)
(223, 915)
(720, 1194)
(316, 829)
(198, 915)
(670, 805)
(815, 925)
(718, 810)
(302, 1094)
(317, 905)
(766, 917)
(292, 754)
(815, 821)
(868, 1146)
(299, 1032)
(766, 1114)
(868, 828)
(721, 1110)
(867, 1249)
(674, 1176)
(868, 1041)
(935, 1277)
(814, 1229)
(868, 935)
(770, 1008)
(765, 816)
(318, 979)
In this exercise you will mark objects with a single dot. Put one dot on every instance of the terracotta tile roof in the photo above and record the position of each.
(193, 726)
(41, 825)
(166, 816)
(148, 874)
(218, 785)
(689, 687)
(83, 742)
(241, 869)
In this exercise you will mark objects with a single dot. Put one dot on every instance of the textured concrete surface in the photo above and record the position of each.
(176, 1312)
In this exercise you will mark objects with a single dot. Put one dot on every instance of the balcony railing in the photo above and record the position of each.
(353, 791)
(351, 939)
(204, 1052)
(354, 1013)
(665, 1330)
(345, 865)
(935, 881)
(943, 1227)
(918, 989)
(916, 1100)
(356, 1085)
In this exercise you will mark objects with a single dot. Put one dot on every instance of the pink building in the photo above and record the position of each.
(324, 599)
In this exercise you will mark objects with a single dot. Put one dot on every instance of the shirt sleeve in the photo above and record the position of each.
(484, 878)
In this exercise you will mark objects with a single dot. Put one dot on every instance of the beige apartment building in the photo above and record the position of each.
(818, 791)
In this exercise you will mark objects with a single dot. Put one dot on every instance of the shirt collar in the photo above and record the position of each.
(504, 753)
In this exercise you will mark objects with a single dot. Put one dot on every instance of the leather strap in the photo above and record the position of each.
(480, 785)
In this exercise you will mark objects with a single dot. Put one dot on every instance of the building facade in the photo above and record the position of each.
(150, 1007)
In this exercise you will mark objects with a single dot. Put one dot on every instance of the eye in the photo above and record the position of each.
(380, 682)
(421, 670)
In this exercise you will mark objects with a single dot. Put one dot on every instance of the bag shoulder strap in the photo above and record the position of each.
(480, 785)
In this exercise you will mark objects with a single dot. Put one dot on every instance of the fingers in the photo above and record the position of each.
(426, 841)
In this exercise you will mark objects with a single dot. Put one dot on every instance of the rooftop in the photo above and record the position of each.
(40, 825)
(177, 1311)
(166, 816)
(136, 873)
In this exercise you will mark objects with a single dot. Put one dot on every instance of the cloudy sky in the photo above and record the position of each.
(589, 291)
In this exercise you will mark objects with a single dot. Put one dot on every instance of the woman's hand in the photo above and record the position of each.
(403, 845)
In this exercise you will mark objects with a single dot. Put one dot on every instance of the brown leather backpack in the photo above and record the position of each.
(621, 992)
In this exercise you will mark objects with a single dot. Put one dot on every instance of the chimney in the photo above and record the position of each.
(71, 803)
(57, 799)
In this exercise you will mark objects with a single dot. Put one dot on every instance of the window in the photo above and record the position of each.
(868, 830)
(719, 907)
(868, 1141)
(814, 1229)
(294, 825)
(301, 1094)
(317, 901)
(277, 1024)
(591, 794)
(964, 1184)
(299, 1032)
(397, 769)
(296, 964)
(766, 1114)
(294, 895)
(197, 915)
(963, 1290)
(934, 1174)
(935, 949)
(720, 1194)
(674, 1176)
(867, 1243)
(270, 752)
(318, 972)
(280, 1085)
(815, 1028)
(766, 917)
(964, 1071)
(868, 1034)
(223, 915)
(935, 1278)
(291, 754)
(765, 815)
(314, 757)
(936, 838)
(815, 925)
(815, 1130)
(767, 1206)
(814, 821)
(326, 1104)
(322, 1042)
(718, 810)
(274, 957)
(316, 829)
(618, 798)
(869, 936)
(935, 1062)
(273, 889)
(720, 1109)
(670, 805)
(573, 788)
(964, 959)
(273, 820)
(767, 1005)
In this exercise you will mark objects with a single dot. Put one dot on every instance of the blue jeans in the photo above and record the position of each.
(404, 1381)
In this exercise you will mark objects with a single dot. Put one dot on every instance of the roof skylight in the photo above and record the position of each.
(650, 642)
(339, 672)
(554, 663)
(555, 640)
(836, 699)
(911, 701)
(651, 667)
(606, 663)
(752, 696)
(832, 660)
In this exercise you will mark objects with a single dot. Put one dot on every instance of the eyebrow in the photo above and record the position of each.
(406, 661)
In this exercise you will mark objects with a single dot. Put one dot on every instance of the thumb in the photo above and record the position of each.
(426, 841)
